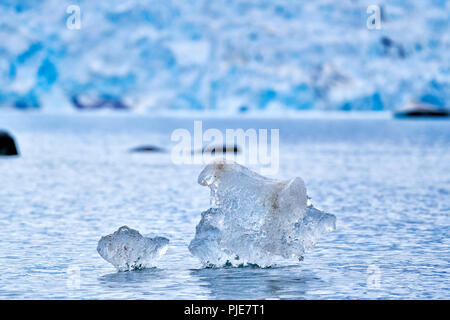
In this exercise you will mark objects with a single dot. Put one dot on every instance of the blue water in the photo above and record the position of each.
(387, 181)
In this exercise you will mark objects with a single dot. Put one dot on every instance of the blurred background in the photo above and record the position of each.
(230, 56)
(70, 174)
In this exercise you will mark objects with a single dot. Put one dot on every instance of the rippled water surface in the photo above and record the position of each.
(387, 182)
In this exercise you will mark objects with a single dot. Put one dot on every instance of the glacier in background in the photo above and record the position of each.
(230, 56)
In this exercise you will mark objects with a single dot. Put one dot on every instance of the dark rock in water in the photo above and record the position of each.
(147, 149)
(420, 109)
(7, 145)
(223, 149)
(423, 113)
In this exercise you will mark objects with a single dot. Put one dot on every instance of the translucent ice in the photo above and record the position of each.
(126, 249)
(253, 219)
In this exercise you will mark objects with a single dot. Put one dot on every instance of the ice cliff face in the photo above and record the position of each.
(223, 55)
(254, 220)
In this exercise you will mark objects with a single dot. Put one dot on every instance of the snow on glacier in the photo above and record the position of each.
(254, 219)
(224, 55)
(126, 249)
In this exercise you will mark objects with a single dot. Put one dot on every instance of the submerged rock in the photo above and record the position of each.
(147, 148)
(7, 145)
(254, 219)
(415, 109)
(126, 249)
(221, 149)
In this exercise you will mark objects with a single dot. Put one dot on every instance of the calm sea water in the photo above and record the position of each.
(387, 182)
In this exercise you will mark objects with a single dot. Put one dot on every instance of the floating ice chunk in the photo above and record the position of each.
(126, 249)
(253, 219)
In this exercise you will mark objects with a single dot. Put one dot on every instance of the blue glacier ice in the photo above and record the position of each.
(223, 55)
(254, 220)
(126, 249)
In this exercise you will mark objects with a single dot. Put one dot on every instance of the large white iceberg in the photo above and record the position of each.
(254, 219)
(126, 249)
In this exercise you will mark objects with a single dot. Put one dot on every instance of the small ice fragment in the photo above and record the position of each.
(254, 219)
(126, 249)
